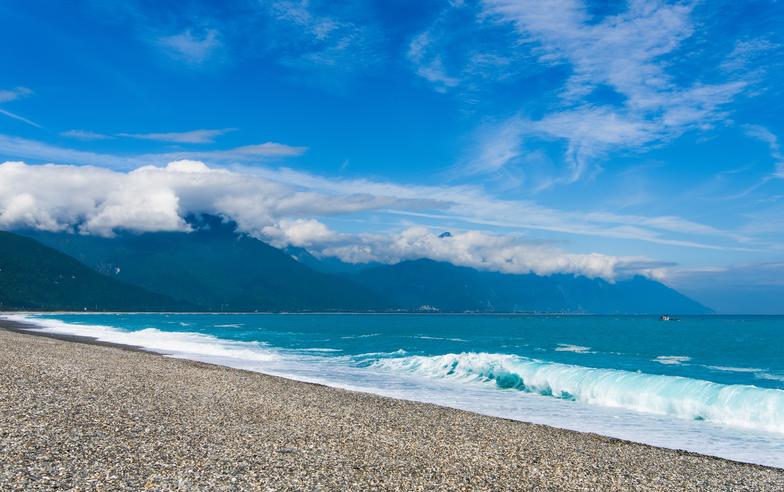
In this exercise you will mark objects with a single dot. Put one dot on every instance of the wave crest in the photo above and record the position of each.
(734, 405)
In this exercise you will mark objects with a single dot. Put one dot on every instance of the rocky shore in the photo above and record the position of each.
(95, 417)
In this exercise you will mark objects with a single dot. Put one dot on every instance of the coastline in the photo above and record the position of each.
(384, 313)
(78, 414)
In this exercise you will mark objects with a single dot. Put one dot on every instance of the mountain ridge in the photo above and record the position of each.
(37, 277)
(448, 287)
(216, 268)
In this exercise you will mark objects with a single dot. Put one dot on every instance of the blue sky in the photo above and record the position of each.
(572, 136)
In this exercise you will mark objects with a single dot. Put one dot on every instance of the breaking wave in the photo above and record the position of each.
(733, 405)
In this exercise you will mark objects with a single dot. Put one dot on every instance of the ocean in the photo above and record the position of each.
(712, 384)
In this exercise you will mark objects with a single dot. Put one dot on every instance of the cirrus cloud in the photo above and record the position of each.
(8, 95)
(191, 46)
(192, 136)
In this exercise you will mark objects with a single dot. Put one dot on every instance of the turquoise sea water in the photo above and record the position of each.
(708, 384)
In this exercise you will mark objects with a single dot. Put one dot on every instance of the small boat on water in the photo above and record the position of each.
(665, 317)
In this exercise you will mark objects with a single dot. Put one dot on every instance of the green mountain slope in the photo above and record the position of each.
(36, 277)
(413, 284)
(216, 269)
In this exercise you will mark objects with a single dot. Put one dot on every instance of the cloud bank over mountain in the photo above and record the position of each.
(99, 201)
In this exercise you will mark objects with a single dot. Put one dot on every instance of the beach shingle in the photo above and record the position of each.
(91, 417)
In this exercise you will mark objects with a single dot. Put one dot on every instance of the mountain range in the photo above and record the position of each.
(446, 287)
(215, 268)
(36, 277)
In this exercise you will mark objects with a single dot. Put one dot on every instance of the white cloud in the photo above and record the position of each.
(590, 131)
(191, 47)
(149, 198)
(8, 95)
(476, 249)
(85, 135)
(429, 64)
(629, 54)
(283, 207)
(471, 205)
(22, 148)
(621, 50)
(306, 233)
(498, 147)
(462, 58)
(269, 149)
(751, 56)
(246, 153)
(315, 35)
(763, 134)
(56, 197)
(193, 136)
(19, 118)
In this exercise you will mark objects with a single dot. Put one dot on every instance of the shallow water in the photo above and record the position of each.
(714, 384)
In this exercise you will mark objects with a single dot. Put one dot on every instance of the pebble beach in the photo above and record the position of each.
(76, 415)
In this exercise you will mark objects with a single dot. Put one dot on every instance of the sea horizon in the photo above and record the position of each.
(422, 313)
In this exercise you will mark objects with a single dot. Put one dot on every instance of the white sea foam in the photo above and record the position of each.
(367, 335)
(178, 344)
(672, 360)
(317, 349)
(620, 404)
(733, 405)
(770, 377)
(425, 337)
(382, 354)
(733, 369)
(230, 325)
(565, 347)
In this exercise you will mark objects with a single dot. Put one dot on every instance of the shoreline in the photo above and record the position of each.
(29, 328)
(32, 329)
(618, 461)
(401, 313)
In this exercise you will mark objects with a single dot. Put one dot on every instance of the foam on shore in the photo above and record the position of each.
(673, 412)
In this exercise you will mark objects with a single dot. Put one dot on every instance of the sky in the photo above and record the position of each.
(604, 139)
